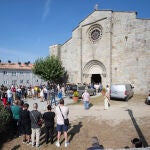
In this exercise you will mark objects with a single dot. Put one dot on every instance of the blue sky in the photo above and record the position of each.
(29, 27)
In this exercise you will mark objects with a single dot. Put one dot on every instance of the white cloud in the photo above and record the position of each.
(46, 9)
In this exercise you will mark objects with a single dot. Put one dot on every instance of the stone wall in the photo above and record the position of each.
(131, 51)
(123, 50)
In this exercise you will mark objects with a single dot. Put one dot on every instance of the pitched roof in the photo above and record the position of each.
(16, 66)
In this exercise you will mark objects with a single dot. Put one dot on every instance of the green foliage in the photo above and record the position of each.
(4, 118)
(49, 68)
(76, 94)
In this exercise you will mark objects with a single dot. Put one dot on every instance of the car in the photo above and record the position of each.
(81, 89)
(71, 89)
(121, 91)
(148, 99)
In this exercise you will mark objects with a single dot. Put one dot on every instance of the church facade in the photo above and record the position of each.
(108, 47)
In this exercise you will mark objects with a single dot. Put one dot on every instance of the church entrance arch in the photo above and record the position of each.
(96, 78)
(94, 72)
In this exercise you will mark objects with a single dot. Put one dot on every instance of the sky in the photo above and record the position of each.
(29, 27)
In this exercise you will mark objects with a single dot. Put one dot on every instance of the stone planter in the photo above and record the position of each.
(75, 99)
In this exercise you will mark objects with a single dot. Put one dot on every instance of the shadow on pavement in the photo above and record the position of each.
(74, 130)
(139, 132)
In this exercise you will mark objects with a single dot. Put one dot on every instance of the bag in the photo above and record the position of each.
(66, 122)
(40, 122)
(19, 122)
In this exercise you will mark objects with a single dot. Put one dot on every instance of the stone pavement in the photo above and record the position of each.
(42, 106)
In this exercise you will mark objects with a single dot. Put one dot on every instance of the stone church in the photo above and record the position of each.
(108, 47)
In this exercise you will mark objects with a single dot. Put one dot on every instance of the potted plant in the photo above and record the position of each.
(75, 96)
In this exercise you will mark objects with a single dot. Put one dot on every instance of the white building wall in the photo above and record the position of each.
(26, 75)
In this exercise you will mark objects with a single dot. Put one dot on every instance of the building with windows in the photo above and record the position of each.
(18, 74)
(108, 47)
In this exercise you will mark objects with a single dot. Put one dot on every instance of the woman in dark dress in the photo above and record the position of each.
(48, 118)
(25, 123)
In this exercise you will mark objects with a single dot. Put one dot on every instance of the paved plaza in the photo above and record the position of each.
(42, 105)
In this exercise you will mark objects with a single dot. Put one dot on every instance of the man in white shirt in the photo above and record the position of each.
(61, 114)
(10, 96)
(86, 99)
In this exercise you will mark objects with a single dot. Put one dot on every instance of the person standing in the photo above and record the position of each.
(108, 91)
(25, 123)
(18, 92)
(4, 99)
(9, 96)
(36, 91)
(45, 93)
(53, 99)
(33, 92)
(42, 95)
(16, 116)
(86, 99)
(63, 90)
(48, 118)
(13, 89)
(35, 117)
(61, 114)
(106, 99)
(60, 95)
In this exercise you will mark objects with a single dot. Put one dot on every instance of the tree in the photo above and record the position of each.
(4, 118)
(49, 68)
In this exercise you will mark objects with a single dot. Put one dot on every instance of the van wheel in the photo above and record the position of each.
(126, 99)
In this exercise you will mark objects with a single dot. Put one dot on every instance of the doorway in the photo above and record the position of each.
(96, 78)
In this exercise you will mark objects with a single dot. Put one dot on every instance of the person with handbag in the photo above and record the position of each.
(62, 122)
(48, 118)
(36, 120)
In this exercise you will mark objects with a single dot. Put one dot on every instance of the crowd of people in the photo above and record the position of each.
(22, 92)
(44, 92)
(28, 124)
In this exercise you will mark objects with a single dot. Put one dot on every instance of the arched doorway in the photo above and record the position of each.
(94, 72)
(96, 78)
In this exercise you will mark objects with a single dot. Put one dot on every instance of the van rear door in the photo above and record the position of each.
(118, 91)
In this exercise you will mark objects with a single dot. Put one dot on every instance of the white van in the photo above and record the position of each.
(121, 91)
